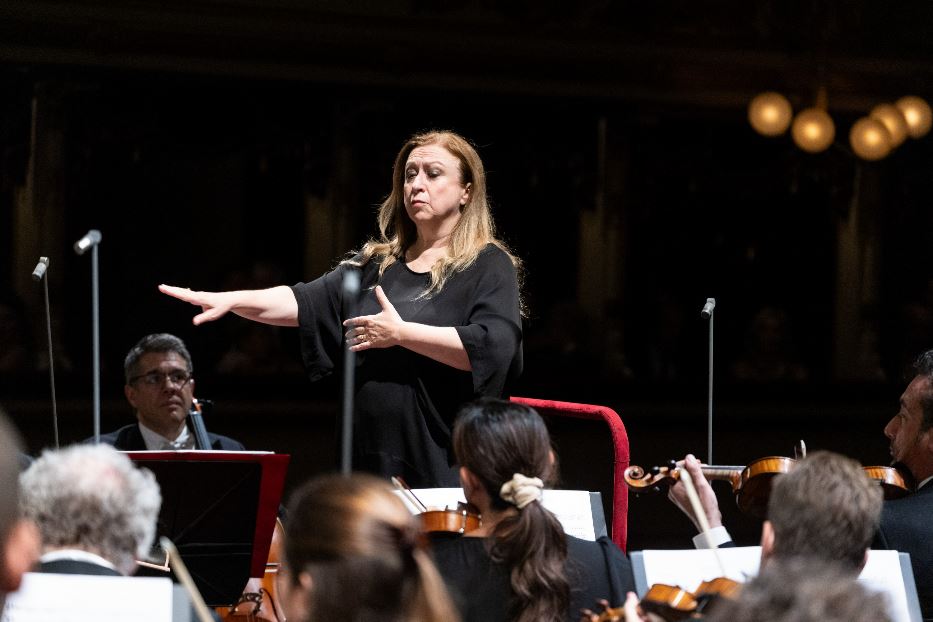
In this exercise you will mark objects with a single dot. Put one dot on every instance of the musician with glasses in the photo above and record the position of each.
(160, 386)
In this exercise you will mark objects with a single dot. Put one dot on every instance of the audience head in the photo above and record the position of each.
(159, 384)
(19, 540)
(826, 508)
(93, 498)
(505, 454)
(802, 590)
(910, 431)
(354, 552)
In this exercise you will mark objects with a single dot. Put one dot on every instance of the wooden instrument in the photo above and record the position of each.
(459, 520)
(751, 484)
(259, 601)
(673, 603)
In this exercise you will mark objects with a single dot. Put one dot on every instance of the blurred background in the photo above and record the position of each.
(236, 143)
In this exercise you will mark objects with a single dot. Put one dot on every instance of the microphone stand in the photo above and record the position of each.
(95, 337)
(38, 275)
(351, 293)
(707, 313)
(92, 240)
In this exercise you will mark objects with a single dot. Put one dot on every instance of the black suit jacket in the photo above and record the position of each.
(906, 526)
(73, 566)
(129, 438)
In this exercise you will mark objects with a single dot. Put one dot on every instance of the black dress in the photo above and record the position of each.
(405, 403)
(481, 590)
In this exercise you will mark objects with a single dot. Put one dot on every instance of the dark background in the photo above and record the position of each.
(245, 144)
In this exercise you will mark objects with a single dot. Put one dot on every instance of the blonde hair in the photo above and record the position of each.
(473, 231)
(365, 553)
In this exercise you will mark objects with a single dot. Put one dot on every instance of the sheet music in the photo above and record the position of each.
(572, 507)
(882, 574)
(89, 598)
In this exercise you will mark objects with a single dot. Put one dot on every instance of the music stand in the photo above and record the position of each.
(219, 508)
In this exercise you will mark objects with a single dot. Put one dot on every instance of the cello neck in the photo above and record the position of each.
(201, 440)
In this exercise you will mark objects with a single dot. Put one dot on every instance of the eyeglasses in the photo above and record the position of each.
(177, 377)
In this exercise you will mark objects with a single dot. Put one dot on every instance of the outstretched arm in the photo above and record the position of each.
(386, 329)
(276, 305)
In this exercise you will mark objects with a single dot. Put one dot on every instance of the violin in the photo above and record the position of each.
(460, 520)
(259, 601)
(892, 481)
(751, 484)
(672, 603)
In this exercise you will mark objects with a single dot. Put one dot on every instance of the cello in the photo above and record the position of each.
(259, 601)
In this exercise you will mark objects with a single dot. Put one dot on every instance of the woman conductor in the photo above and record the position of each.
(440, 316)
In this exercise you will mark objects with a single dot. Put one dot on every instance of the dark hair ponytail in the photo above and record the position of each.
(496, 439)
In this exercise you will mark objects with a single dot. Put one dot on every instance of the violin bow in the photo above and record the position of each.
(399, 483)
(701, 515)
(181, 571)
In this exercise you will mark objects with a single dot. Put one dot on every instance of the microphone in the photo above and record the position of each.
(91, 238)
(708, 308)
(40, 269)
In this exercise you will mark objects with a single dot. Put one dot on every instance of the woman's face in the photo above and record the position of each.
(434, 191)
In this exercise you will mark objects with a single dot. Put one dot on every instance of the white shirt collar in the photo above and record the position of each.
(156, 442)
(76, 555)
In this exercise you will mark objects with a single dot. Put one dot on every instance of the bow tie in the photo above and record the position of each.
(173, 446)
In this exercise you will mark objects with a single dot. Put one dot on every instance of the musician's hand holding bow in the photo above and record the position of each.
(678, 494)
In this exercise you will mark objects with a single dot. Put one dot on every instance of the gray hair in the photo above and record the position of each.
(156, 342)
(92, 497)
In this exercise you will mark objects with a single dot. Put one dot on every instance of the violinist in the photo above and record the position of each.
(825, 508)
(905, 523)
(160, 387)
(519, 566)
(354, 552)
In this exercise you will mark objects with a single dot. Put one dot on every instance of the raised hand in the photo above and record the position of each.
(382, 330)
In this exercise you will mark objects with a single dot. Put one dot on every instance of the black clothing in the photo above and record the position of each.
(905, 527)
(129, 438)
(481, 590)
(405, 403)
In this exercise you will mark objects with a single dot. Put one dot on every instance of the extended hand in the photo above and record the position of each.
(213, 304)
(382, 330)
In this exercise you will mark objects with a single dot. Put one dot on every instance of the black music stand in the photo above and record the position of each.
(219, 508)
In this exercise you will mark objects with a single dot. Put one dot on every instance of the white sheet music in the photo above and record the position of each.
(689, 567)
(572, 507)
(87, 598)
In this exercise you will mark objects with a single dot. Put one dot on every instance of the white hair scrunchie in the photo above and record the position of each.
(521, 490)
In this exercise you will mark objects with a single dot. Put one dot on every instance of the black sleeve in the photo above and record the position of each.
(320, 326)
(493, 332)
